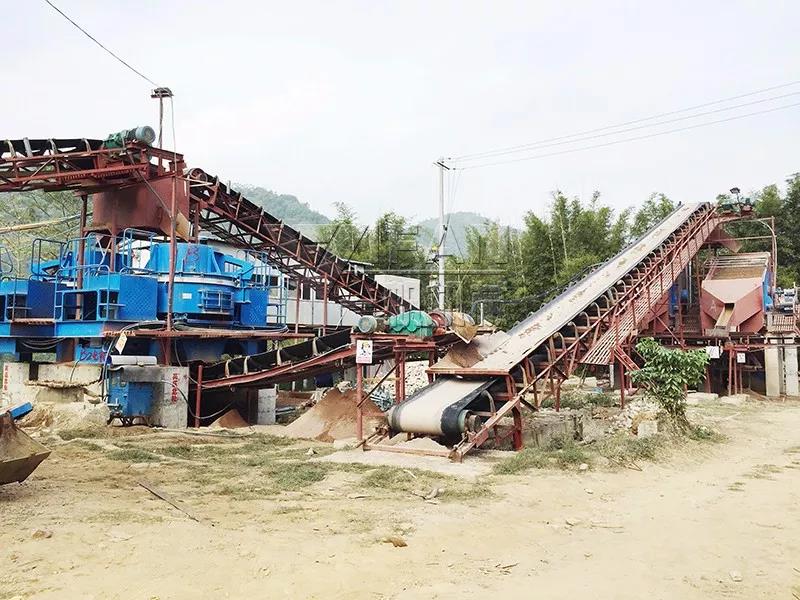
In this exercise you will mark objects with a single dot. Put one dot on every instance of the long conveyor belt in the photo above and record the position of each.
(659, 256)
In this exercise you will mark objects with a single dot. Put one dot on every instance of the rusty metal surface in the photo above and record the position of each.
(19, 453)
(85, 165)
(235, 219)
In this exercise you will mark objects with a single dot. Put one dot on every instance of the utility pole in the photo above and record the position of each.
(442, 232)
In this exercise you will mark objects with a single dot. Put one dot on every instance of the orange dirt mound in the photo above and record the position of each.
(230, 420)
(334, 418)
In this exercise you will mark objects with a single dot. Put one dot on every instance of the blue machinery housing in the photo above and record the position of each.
(59, 306)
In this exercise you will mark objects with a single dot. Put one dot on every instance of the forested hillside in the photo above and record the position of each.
(284, 206)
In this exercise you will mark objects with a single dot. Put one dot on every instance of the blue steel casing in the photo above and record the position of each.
(129, 399)
(8, 345)
(252, 307)
(41, 295)
(137, 296)
(109, 297)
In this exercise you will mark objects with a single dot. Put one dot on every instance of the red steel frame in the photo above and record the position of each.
(628, 304)
(235, 219)
(87, 166)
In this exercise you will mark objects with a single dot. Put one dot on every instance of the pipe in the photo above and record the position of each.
(198, 395)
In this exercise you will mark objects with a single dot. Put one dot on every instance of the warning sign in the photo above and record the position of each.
(363, 352)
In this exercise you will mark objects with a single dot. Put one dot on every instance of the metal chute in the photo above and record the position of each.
(19, 453)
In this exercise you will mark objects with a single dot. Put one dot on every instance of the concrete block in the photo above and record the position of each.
(15, 379)
(546, 426)
(647, 429)
(695, 398)
(735, 400)
(790, 381)
(773, 371)
(265, 413)
(82, 375)
(170, 398)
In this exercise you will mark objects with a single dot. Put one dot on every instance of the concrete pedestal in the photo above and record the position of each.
(265, 410)
(170, 398)
(790, 381)
(773, 371)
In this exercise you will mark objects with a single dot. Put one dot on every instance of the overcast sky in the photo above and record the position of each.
(353, 101)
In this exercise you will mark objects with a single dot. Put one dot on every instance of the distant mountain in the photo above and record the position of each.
(285, 207)
(427, 236)
(304, 218)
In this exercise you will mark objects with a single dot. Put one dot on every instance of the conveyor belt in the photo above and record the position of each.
(429, 409)
(225, 373)
(88, 166)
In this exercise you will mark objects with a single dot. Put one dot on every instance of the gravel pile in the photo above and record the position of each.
(634, 413)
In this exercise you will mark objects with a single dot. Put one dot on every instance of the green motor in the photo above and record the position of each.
(144, 134)
(412, 322)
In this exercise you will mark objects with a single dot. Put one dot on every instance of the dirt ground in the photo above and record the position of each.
(707, 520)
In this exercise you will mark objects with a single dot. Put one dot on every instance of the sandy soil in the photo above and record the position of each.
(714, 521)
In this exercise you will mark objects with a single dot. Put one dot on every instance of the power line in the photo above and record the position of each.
(631, 139)
(649, 125)
(489, 153)
(91, 37)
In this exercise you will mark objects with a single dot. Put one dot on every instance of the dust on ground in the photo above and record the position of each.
(708, 520)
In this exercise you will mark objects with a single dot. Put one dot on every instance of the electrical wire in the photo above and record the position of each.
(632, 122)
(639, 127)
(631, 139)
(94, 39)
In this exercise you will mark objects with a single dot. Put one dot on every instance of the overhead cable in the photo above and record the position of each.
(631, 139)
(95, 40)
(623, 124)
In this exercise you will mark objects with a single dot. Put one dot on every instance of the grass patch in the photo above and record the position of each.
(420, 481)
(736, 486)
(763, 471)
(577, 399)
(294, 476)
(623, 449)
(88, 446)
(522, 461)
(701, 433)
(83, 432)
(561, 452)
(133, 455)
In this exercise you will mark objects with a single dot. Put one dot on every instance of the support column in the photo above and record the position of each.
(359, 401)
(773, 371)
(790, 382)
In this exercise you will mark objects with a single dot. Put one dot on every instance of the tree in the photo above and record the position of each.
(788, 226)
(665, 375)
(392, 246)
(32, 207)
(343, 236)
(654, 209)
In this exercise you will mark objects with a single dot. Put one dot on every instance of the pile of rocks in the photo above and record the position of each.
(416, 378)
(636, 413)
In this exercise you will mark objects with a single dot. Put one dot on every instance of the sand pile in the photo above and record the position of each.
(59, 415)
(230, 420)
(334, 418)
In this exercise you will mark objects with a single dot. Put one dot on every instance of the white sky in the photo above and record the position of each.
(352, 101)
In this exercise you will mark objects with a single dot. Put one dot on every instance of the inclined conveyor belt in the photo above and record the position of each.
(294, 353)
(440, 408)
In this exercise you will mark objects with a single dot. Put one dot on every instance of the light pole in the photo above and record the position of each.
(442, 233)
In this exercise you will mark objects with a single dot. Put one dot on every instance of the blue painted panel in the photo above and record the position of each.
(253, 307)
